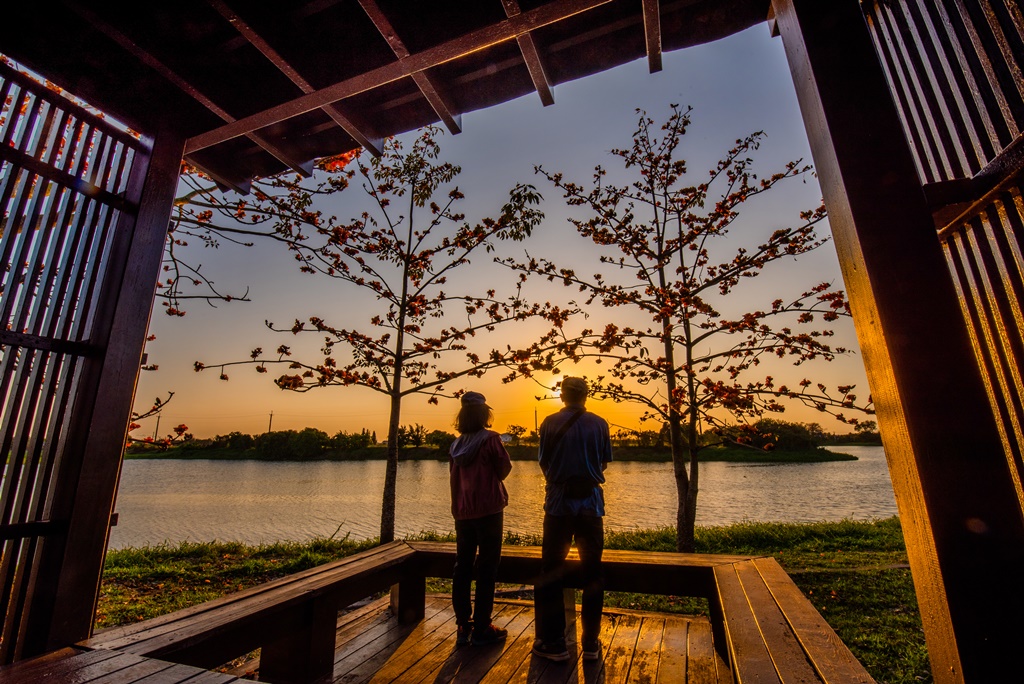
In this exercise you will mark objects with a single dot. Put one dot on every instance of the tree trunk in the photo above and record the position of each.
(686, 490)
(686, 504)
(387, 513)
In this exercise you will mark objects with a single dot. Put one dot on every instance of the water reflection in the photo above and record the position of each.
(256, 502)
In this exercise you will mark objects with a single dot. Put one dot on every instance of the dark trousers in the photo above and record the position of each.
(483, 534)
(559, 532)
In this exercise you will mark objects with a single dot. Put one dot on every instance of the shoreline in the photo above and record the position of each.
(517, 453)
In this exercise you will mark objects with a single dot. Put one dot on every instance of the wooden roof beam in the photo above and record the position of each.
(373, 144)
(304, 168)
(430, 90)
(474, 41)
(652, 34)
(532, 58)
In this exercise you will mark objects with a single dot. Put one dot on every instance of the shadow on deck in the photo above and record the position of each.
(372, 646)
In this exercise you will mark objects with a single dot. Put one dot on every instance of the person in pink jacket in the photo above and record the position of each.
(477, 467)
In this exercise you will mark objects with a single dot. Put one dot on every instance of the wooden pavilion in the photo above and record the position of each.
(914, 110)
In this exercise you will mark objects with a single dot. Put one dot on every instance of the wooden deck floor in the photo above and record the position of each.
(638, 647)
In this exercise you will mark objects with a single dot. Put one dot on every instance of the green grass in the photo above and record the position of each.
(855, 574)
(141, 583)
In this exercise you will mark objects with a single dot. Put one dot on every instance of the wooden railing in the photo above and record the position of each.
(764, 628)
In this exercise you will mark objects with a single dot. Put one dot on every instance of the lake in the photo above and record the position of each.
(259, 501)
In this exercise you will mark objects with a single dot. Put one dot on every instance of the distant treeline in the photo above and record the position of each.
(764, 441)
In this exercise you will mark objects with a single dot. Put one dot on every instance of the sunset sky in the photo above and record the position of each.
(736, 86)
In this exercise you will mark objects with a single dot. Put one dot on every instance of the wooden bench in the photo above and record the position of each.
(292, 619)
(765, 630)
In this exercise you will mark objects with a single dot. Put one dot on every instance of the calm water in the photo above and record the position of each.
(255, 502)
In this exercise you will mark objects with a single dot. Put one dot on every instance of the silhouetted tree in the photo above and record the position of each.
(516, 432)
(689, 365)
(401, 255)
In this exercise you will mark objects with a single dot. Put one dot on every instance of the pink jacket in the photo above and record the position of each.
(476, 469)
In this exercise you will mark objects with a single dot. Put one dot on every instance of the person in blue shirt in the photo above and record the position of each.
(575, 449)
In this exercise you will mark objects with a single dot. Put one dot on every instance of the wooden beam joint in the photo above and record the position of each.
(652, 34)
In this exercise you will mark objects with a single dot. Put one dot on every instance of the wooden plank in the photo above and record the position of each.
(137, 672)
(376, 637)
(703, 662)
(412, 663)
(397, 660)
(830, 656)
(474, 663)
(784, 648)
(212, 678)
(350, 628)
(620, 648)
(81, 669)
(653, 558)
(652, 34)
(354, 621)
(672, 665)
(366, 657)
(647, 656)
(531, 57)
(517, 654)
(24, 669)
(748, 654)
(181, 674)
(446, 659)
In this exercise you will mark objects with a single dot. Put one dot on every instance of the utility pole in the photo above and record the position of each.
(156, 430)
(271, 424)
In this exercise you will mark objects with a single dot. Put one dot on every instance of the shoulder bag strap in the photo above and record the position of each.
(557, 439)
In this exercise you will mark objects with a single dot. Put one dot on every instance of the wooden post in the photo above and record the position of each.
(68, 584)
(409, 599)
(959, 510)
(305, 655)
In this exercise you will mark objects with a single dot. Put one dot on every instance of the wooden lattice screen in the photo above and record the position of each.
(66, 176)
(956, 69)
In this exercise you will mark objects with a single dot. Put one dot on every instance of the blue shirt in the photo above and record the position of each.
(580, 456)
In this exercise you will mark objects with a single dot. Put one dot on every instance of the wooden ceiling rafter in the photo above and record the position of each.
(372, 143)
(473, 41)
(652, 33)
(431, 91)
(531, 56)
(302, 167)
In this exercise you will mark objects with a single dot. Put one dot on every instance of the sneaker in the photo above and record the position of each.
(462, 635)
(488, 635)
(592, 650)
(552, 650)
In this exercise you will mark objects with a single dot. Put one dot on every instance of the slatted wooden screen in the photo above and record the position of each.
(956, 70)
(64, 171)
